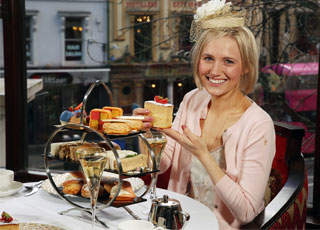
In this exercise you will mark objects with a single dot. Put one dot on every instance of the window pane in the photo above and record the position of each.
(143, 38)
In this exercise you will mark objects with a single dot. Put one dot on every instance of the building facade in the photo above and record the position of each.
(66, 41)
(150, 50)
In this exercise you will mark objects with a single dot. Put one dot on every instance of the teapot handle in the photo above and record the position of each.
(185, 219)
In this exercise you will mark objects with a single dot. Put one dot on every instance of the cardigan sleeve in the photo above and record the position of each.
(244, 196)
(167, 155)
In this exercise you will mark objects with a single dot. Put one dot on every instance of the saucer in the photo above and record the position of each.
(13, 188)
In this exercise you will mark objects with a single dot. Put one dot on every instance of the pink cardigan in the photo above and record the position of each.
(249, 150)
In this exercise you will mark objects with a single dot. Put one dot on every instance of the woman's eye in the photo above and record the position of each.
(207, 58)
(229, 62)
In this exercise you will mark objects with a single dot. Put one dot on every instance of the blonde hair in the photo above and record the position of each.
(248, 50)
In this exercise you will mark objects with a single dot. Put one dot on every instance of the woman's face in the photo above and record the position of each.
(220, 67)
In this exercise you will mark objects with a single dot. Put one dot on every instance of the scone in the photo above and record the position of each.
(72, 187)
(161, 111)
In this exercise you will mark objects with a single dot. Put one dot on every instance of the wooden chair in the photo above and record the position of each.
(287, 191)
(288, 184)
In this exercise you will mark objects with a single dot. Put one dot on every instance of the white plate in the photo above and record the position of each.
(136, 183)
(13, 188)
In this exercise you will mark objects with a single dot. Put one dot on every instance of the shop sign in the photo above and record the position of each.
(142, 5)
(184, 5)
(53, 78)
(73, 50)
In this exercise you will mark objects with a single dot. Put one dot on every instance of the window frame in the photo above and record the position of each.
(85, 23)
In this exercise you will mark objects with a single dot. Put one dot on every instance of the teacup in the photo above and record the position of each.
(6, 178)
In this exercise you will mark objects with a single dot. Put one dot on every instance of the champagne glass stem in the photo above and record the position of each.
(153, 193)
(93, 217)
(93, 199)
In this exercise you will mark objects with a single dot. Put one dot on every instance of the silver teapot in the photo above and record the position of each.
(167, 213)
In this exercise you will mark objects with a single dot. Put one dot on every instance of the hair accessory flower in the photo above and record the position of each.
(215, 14)
(210, 9)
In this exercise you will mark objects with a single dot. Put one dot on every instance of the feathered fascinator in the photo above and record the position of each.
(215, 14)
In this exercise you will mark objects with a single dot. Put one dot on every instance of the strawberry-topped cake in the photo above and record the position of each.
(7, 223)
(161, 111)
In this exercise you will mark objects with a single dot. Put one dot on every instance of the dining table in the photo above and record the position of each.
(43, 208)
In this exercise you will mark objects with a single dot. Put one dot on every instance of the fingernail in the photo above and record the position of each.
(183, 127)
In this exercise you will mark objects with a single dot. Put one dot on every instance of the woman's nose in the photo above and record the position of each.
(216, 69)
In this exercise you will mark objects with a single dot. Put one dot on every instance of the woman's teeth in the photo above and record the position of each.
(216, 81)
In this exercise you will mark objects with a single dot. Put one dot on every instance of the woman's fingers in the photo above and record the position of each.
(193, 138)
(143, 112)
(180, 138)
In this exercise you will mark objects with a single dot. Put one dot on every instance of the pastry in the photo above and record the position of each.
(96, 117)
(126, 193)
(8, 224)
(78, 175)
(116, 128)
(134, 124)
(115, 111)
(86, 193)
(108, 183)
(9, 227)
(161, 111)
(72, 187)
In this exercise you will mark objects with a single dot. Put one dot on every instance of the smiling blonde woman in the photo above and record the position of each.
(221, 144)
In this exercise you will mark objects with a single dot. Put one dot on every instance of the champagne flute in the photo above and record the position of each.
(157, 142)
(93, 165)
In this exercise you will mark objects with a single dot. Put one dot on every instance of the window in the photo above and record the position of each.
(31, 30)
(73, 39)
(143, 38)
(184, 32)
(28, 38)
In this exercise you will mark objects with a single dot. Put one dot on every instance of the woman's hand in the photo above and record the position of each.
(197, 146)
(143, 112)
(194, 144)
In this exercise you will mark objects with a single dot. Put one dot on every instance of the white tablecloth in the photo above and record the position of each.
(43, 208)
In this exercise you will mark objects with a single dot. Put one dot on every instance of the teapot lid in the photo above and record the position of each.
(166, 201)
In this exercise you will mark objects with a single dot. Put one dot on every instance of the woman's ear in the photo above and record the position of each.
(245, 71)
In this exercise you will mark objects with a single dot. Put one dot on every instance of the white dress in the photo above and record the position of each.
(202, 188)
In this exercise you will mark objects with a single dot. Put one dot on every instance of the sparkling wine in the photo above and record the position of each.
(157, 146)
